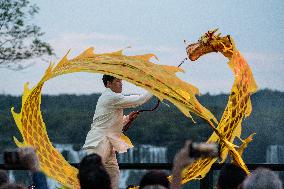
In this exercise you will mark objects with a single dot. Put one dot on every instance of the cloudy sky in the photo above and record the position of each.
(160, 27)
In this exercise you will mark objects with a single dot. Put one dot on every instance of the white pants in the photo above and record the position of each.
(107, 153)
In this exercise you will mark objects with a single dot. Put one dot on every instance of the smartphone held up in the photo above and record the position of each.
(202, 150)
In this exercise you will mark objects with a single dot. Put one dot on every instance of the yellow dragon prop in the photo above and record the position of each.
(159, 80)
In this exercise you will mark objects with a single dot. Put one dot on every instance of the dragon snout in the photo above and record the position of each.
(194, 51)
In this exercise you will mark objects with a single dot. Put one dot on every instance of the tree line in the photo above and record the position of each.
(68, 119)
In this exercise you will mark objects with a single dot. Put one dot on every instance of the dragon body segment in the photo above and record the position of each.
(238, 106)
(32, 128)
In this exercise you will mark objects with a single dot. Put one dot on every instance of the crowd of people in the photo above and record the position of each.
(93, 175)
(231, 176)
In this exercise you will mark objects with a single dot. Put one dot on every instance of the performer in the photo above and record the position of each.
(105, 136)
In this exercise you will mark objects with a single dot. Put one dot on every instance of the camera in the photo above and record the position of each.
(12, 157)
(197, 150)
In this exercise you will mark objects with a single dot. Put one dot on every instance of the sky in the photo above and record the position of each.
(159, 27)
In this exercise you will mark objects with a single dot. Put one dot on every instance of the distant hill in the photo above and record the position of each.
(68, 119)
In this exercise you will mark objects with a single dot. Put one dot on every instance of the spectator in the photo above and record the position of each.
(262, 178)
(230, 177)
(92, 173)
(4, 178)
(154, 178)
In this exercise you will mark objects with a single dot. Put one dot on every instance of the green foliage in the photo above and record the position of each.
(19, 39)
(68, 119)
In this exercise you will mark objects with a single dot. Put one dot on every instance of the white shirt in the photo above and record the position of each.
(108, 120)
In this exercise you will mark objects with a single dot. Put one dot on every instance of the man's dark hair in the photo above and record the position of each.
(92, 173)
(230, 177)
(154, 177)
(4, 178)
(107, 78)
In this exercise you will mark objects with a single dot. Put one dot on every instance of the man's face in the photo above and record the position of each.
(115, 85)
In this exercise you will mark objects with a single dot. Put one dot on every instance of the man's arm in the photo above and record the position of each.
(131, 101)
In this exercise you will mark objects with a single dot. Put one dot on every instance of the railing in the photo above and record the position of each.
(205, 183)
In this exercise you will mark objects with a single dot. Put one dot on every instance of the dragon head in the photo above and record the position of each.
(210, 42)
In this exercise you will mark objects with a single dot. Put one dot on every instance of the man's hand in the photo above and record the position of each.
(131, 117)
(29, 158)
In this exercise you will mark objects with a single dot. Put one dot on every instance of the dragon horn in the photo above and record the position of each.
(215, 30)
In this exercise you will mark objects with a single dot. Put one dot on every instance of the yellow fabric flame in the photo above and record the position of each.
(158, 79)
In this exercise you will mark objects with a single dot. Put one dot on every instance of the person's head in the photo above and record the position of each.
(92, 173)
(113, 83)
(4, 178)
(154, 177)
(262, 178)
(230, 177)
